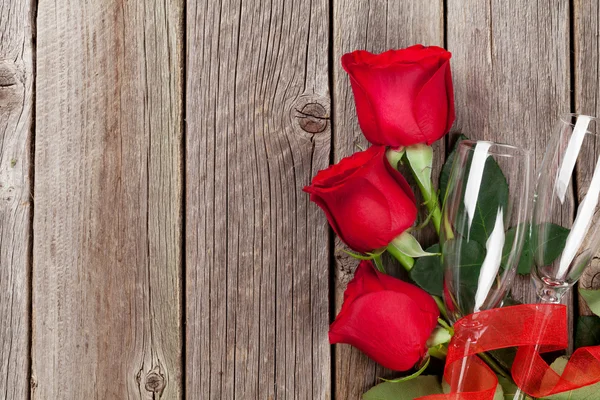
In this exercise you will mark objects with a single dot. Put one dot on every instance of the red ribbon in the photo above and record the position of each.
(534, 329)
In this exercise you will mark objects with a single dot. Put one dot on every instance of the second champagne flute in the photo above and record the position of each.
(565, 237)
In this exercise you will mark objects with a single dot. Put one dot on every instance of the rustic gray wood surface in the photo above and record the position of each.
(16, 107)
(586, 92)
(172, 252)
(107, 260)
(257, 251)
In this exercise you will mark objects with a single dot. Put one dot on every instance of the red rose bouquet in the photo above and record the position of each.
(405, 102)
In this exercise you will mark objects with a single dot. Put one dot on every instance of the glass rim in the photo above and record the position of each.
(510, 150)
(565, 117)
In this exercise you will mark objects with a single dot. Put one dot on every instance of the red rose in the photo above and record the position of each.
(403, 97)
(386, 318)
(367, 202)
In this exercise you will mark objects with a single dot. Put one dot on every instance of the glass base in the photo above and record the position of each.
(549, 290)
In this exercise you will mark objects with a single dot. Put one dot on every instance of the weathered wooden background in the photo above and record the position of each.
(155, 242)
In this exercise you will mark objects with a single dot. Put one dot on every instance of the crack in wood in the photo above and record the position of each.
(313, 118)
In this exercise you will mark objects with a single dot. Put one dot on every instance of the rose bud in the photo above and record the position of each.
(367, 202)
(403, 97)
(387, 319)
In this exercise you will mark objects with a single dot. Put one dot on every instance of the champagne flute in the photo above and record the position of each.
(565, 238)
(484, 224)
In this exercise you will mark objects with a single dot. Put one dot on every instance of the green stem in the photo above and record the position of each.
(431, 202)
(442, 307)
(445, 325)
(439, 352)
(406, 261)
(494, 365)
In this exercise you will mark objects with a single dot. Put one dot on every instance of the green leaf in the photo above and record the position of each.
(379, 264)
(526, 260)
(585, 393)
(554, 239)
(509, 388)
(439, 336)
(428, 272)
(420, 158)
(587, 332)
(592, 298)
(409, 390)
(394, 157)
(499, 393)
(493, 195)
(409, 246)
(447, 168)
(470, 256)
(554, 243)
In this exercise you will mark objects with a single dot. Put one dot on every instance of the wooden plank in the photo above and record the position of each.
(511, 76)
(375, 26)
(16, 106)
(107, 288)
(586, 45)
(257, 254)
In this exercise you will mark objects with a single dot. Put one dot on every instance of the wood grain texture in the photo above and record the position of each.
(108, 194)
(257, 252)
(16, 118)
(375, 26)
(511, 74)
(586, 45)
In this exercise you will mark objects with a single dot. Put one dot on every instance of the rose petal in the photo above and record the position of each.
(431, 106)
(362, 212)
(336, 174)
(387, 326)
(365, 281)
(412, 54)
(424, 301)
(450, 93)
(402, 182)
(385, 103)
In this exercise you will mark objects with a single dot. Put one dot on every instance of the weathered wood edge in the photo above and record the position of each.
(17, 53)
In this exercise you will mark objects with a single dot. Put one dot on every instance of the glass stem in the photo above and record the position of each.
(549, 295)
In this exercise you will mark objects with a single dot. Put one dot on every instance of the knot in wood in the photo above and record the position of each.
(11, 85)
(155, 382)
(312, 118)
